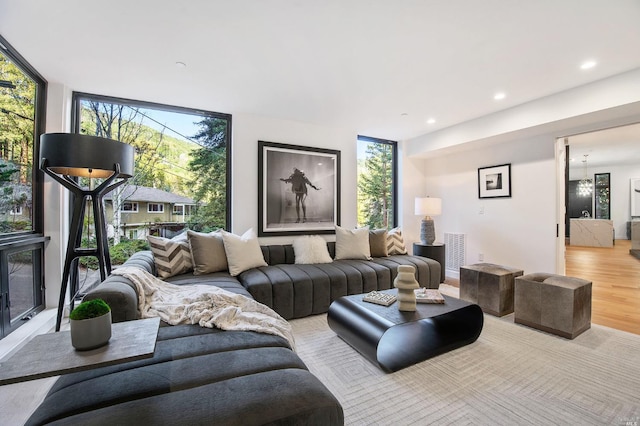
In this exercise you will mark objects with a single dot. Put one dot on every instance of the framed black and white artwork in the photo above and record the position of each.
(494, 181)
(298, 189)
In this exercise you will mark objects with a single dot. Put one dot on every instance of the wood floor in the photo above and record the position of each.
(615, 275)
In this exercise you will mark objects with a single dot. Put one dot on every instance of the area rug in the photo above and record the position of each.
(512, 375)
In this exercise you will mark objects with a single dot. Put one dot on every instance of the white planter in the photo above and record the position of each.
(91, 333)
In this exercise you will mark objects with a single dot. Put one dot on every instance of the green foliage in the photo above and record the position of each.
(14, 226)
(209, 166)
(119, 253)
(375, 187)
(89, 309)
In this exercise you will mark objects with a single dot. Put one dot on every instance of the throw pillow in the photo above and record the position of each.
(207, 251)
(352, 244)
(395, 242)
(378, 243)
(171, 256)
(243, 252)
(311, 249)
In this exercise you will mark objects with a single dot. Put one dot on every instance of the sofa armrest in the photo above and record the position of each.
(119, 294)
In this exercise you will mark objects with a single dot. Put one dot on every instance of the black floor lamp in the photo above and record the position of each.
(66, 155)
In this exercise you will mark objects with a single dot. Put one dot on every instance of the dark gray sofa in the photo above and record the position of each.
(202, 376)
(293, 291)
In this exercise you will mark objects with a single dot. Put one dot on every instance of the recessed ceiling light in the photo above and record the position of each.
(431, 121)
(404, 114)
(181, 64)
(588, 64)
(499, 96)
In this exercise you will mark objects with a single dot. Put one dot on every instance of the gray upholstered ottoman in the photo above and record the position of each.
(553, 303)
(490, 286)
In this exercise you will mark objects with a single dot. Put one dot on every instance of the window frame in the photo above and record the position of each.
(77, 97)
(161, 205)
(394, 172)
(132, 203)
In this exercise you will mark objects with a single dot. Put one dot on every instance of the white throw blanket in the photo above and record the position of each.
(206, 305)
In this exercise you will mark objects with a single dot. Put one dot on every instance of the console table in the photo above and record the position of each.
(51, 354)
(434, 251)
(394, 339)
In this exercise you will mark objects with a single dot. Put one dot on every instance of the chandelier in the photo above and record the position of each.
(585, 186)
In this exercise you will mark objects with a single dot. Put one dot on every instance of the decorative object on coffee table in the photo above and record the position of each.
(428, 207)
(406, 283)
(65, 156)
(90, 325)
(426, 295)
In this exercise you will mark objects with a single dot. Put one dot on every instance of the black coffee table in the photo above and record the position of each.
(393, 339)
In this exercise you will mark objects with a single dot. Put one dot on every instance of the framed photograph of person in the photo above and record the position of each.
(298, 189)
(494, 181)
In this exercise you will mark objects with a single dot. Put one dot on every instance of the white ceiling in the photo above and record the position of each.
(616, 146)
(356, 64)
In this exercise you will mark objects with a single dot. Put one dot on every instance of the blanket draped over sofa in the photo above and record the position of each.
(205, 305)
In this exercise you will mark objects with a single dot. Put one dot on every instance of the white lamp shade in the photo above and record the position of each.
(428, 206)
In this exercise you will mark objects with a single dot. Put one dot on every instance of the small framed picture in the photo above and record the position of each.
(494, 181)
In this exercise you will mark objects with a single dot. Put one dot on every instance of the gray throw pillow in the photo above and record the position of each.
(207, 251)
(378, 243)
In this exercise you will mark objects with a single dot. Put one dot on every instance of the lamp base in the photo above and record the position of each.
(427, 231)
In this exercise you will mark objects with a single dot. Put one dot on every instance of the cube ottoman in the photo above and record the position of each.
(490, 286)
(553, 303)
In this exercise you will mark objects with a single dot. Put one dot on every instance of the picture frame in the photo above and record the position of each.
(635, 197)
(494, 181)
(298, 189)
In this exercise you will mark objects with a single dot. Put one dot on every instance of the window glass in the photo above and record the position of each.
(377, 187)
(17, 127)
(182, 157)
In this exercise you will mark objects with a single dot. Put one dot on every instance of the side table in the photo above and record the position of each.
(432, 251)
(51, 354)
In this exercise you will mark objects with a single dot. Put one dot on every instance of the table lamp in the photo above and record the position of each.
(65, 156)
(428, 207)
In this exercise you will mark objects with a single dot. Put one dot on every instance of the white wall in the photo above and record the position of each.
(620, 192)
(519, 231)
(249, 129)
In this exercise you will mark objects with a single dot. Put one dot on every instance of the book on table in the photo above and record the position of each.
(425, 295)
(379, 298)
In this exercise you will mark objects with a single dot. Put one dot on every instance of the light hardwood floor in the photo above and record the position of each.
(615, 275)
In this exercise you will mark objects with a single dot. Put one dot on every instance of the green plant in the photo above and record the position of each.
(89, 309)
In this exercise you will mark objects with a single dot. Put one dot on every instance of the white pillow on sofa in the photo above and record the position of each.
(352, 244)
(243, 252)
(310, 249)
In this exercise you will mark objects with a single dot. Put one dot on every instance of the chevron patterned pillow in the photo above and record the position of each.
(171, 256)
(395, 242)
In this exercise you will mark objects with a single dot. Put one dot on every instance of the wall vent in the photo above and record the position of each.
(455, 250)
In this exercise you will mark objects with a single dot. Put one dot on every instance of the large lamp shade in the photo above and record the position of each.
(71, 154)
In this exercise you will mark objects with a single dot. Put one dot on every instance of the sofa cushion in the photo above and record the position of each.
(352, 244)
(196, 376)
(207, 251)
(243, 252)
(395, 242)
(171, 256)
(378, 243)
(310, 249)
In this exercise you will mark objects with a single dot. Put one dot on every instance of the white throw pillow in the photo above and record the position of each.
(243, 252)
(395, 242)
(352, 244)
(310, 249)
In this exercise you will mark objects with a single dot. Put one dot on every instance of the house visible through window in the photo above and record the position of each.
(377, 183)
(16, 211)
(155, 207)
(178, 209)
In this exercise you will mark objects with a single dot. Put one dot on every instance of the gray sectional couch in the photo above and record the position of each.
(204, 376)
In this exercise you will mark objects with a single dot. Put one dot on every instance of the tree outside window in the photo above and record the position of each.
(377, 183)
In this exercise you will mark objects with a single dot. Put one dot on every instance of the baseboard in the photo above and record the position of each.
(452, 274)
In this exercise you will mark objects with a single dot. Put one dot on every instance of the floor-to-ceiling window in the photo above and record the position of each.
(182, 170)
(22, 103)
(377, 182)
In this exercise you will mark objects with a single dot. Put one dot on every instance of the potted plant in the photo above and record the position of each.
(90, 325)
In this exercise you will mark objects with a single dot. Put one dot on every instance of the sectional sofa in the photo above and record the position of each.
(205, 376)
